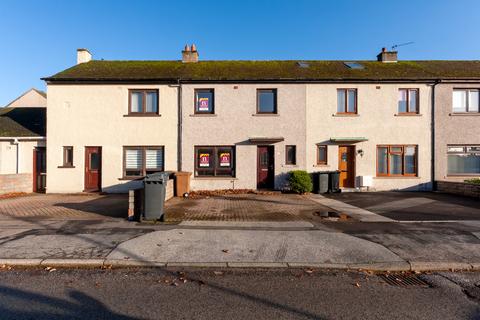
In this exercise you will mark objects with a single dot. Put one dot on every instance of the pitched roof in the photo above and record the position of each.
(286, 70)
(22, 122)
(25, 99)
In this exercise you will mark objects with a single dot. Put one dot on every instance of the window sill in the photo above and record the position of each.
(203, 115)
(215, 178)
(290, 165)
(345, 115)
(397, 177)
(66, 167)
(463, 175)
(142, 115)
(321, 165)
(466, 114)
(408, 115)
(265, 115)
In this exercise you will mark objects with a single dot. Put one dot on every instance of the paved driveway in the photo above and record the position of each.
(414, 206)
(242, 207)
(65, 206)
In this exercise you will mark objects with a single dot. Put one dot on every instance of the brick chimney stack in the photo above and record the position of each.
(387, 56)
(190, 54)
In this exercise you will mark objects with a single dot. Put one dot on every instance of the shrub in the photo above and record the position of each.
(473, 181)
(300, 181)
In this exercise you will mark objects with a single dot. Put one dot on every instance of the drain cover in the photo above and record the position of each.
(403, 280)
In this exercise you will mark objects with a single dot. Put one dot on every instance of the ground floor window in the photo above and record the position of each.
(214, 161)
(140, 161)
(463, 160)
(397, 160)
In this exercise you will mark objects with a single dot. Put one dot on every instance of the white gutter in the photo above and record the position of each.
(22, 138)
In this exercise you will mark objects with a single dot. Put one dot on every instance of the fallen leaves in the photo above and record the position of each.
(225, 250)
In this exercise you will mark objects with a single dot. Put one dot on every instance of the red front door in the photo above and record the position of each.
(265, 167)
(93, 169)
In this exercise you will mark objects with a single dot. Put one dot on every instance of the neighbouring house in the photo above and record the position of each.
(246, 124)
(457, 127)
(22, 143)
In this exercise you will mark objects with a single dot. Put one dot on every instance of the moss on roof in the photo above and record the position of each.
(22, 122)
(97, 70)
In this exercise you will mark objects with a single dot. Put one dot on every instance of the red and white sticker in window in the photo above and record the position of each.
(204, 160)
(225, 159)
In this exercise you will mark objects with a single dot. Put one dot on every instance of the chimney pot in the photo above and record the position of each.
(387, 56)
(190, 54)
(83, 56)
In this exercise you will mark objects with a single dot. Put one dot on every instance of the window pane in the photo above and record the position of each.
(291, 154)
(133, 159)
(395, 164)
(396, 149)
(464, 164)
(94, 161)
(322, 154)
(341, 101)
(205, 158)
(382, 160)
(152, 102)
(351, 100)
(204, 102)
(459, 101)
(154, 159)
(410, 160)
(225, 158)
(402, 101)
(473, 101)
(266, 101)
(413, 101)
(136, 101)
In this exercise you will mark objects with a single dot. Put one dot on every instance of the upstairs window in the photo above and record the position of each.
(204, 101)
(466, 100)
(143, 102)
(397, 160)
(140, 161)
(267, 101)
(214, 161)
(407, 101)
(347, 101)
(291, 155)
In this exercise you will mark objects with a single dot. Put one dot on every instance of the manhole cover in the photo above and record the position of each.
(403, 280)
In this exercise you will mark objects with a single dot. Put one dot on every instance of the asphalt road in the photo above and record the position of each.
(232, 294)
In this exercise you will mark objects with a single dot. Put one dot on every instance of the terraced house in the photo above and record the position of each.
(246, 124)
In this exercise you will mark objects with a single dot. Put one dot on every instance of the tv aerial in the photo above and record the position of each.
(395, 46)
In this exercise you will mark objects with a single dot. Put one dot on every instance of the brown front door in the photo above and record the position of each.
(346, 165)
(39, 169)
(265, 167)
(93, 169)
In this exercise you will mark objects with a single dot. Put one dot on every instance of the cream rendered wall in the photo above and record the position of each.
(94, 115)
(235, 121)
(452, 129)
(8, 156)
(29, 99)
(377, 121)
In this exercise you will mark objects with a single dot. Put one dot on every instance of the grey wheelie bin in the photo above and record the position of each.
(320, 182)
(155, 188)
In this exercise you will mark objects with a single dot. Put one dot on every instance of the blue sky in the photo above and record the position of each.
(40, 38)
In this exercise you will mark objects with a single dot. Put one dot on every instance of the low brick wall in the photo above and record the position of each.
(21, 182)
(461, 188)
(135, 200)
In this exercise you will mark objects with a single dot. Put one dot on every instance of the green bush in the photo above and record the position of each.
(300, 181)
(473, 181)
